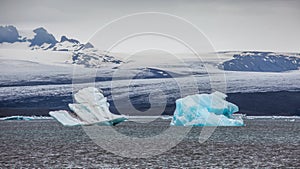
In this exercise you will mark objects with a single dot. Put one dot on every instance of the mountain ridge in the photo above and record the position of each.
(87, 55)
(82, 53)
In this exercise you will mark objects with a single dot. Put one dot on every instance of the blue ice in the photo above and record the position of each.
(205, 110)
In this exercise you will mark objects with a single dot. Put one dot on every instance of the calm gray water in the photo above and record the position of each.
(47, 144)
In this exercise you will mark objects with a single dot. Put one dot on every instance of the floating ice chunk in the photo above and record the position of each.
(65, 118)
(205, 110)
(166, 117)
(17, 118)
(91, 107)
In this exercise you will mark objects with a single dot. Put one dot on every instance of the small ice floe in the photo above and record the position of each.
(290, 120)
(166, 117)
(17, 118)
(206, 110)
(91, 107)
(273, 117)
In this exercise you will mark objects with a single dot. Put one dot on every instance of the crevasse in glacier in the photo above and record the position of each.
(90, 107)
(205, 110)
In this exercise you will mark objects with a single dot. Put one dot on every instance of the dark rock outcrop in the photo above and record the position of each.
(64, 38)
(261, 62)
(41, 37)
(9, 34)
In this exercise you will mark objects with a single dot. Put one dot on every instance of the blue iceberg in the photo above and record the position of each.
(91, 107)
(205, 110)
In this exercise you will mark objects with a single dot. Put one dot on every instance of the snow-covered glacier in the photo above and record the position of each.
(205, 110)
(90, 107)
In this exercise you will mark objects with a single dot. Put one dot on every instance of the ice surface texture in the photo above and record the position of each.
(205, 110)
(91, 107)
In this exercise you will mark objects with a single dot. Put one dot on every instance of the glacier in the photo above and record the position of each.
(90, 107)
(205, 110)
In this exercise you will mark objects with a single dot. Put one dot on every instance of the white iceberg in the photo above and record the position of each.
(91, 107)
(205, 110)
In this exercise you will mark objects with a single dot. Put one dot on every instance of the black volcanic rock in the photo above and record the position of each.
(41, 37)
(8, 34)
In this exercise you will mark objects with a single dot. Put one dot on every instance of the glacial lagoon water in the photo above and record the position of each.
(47, 144)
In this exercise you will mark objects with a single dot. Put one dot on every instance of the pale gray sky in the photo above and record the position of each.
(270, 25)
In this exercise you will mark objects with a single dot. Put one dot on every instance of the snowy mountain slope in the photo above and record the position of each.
(40, 56)
(41, 40)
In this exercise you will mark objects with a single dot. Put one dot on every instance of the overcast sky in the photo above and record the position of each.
(269, 25)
